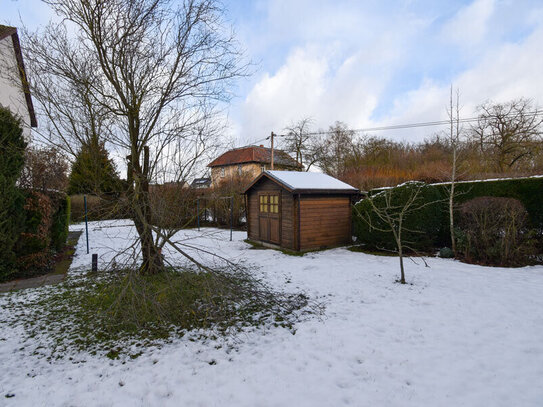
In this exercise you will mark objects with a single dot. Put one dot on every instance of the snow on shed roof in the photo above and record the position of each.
(296, 180)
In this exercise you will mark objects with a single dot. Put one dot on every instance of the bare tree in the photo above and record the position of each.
(455, 132)
(297, 140)
(389, 210)
(155, 72)
(335, 150)
(45, 170)
(508, 133)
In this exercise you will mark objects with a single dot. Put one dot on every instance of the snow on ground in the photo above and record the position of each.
(460, 335)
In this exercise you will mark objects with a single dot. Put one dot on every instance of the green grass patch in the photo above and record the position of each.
(121, 313)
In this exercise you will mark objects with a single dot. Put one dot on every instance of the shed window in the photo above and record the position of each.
(263, 203)
(269, 203)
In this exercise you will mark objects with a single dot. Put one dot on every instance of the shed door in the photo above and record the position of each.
(268, 217)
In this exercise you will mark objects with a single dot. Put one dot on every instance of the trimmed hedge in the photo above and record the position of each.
(33, 247)
(434, 222)
(42, 231)
(529, 191)
(12, 147)
(422, 230)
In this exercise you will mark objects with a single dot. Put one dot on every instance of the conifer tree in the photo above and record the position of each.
(93, 171)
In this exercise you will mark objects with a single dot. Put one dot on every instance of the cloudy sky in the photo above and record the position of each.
(371, 63)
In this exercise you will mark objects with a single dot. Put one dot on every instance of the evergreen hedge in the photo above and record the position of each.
(433, 221)
(422, 228)
(34, 253)
(12, 147)
(43, 233)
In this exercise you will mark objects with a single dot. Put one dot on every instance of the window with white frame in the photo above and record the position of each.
(223, 173)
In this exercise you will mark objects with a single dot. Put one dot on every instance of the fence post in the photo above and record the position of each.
(95, 262)
(231, 215)
(86, 223)
(198, 213)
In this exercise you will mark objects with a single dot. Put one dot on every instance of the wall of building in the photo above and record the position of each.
(11, 92)
(249, 170)
(325, 221)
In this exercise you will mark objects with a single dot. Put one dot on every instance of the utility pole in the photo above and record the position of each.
(272, 136)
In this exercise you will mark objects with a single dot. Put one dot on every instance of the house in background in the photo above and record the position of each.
(249, 162)
(14, 89)
(201, 183)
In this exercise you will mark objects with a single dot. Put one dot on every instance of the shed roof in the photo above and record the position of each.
(258, 154)
(297, 181)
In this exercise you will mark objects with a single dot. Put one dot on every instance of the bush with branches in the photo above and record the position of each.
(45, 170)
(494, 231)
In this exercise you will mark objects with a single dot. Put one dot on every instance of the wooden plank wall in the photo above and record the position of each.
(324, 221)
(287, 221)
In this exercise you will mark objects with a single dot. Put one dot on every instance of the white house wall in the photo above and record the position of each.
(11, 92)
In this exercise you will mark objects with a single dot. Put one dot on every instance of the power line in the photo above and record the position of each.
(402, 126)
(409, 125)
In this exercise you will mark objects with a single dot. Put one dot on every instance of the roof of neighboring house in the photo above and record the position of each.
(6, 31)
(296, 181)
(201, 181)
(254, 154)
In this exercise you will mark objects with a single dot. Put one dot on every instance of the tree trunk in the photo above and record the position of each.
(402, 273)
(152, 261)
(451, 203)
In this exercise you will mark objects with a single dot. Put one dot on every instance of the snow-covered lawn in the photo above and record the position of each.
(460, 335)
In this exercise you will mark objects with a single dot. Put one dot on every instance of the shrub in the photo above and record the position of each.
(34, 245)
(423, 228)
(529, 191)
(12, 146)
(60, 224)
(493, 231)
(98, 208)
(446, 253)
(173, 205)
(45, 170)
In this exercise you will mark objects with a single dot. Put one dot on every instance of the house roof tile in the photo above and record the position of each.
(254, 154)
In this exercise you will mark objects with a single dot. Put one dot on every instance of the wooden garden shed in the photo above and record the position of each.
(299, 211)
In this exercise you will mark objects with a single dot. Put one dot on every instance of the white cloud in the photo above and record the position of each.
(469, 25)
(505, 72)
(398, 68)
